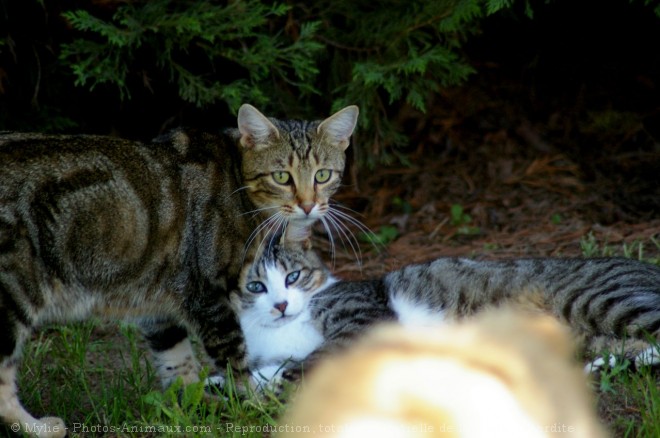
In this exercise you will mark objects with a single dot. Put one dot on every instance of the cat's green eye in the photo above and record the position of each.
(322, 176)
(292, 278)
(256, 287)
(281, 177)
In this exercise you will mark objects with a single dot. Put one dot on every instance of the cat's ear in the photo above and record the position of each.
(339, 127)
(254, 127)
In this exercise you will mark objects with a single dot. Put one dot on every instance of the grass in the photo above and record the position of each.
(99, 379)
(102, 383)
(629, 401)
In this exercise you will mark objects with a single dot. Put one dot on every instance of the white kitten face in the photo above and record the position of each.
(277, 298)
(278, 287)
(274, 308)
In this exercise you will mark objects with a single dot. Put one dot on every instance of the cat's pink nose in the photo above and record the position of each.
(281, 306)
(307, 208)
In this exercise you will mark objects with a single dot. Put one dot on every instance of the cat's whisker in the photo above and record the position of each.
(236, 191)
(258, 210)
(262, 226)
(332, 240)
(256, 232)
(335, 204)
(352, 220)
(341, 216)
(343, 236)
(347, 235)
(273, 226)
(284, 226)
(280, 224)
(252, 322)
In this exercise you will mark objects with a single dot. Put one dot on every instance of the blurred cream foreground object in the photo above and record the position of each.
(500, 374)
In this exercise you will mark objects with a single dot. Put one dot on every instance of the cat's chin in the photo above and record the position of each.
(299, 230)
(282, 320)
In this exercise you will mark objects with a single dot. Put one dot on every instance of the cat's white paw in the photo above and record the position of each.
(216, 380)
(50, 427)
(267, 377)
(648, 357)
(211, 384)
(598, 364)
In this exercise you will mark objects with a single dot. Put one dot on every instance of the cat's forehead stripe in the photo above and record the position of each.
(274, 275)
(301, 133)
(262, 267)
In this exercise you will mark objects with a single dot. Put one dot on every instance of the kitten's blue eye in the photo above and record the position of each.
(292, 278)
(256, 287)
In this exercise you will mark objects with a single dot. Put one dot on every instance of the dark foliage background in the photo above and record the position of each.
(107, 65)
(580, 78)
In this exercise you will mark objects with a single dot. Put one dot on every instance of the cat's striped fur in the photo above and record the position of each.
(611, 297)
(159, 232)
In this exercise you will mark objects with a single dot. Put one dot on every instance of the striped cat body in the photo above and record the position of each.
(610, 297)
(157, 232)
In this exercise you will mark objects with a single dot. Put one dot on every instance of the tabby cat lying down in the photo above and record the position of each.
(101, 226)
(499, 374)
(290, 306)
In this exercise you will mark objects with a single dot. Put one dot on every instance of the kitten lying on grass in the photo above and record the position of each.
(292, 311)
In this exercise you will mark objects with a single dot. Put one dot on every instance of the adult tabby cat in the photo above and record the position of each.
(96, 225)
(290, 306)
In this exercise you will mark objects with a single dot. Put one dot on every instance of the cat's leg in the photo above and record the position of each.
(622, 352)
(12, 412)
(598, 364)
(224, 343)
(172, 351)
(648, 357)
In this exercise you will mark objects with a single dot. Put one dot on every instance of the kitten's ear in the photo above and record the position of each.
(339, 127)
(254, 127)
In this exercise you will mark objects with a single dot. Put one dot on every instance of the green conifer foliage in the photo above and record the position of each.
(299, 59)
(374, 54)
(212, 51)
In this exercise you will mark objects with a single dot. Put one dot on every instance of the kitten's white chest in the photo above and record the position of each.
(295, 340)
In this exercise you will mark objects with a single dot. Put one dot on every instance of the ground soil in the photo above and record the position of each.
(522, 194)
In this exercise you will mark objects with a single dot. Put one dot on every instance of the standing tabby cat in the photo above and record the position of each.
(290, 307)
(95, 225)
